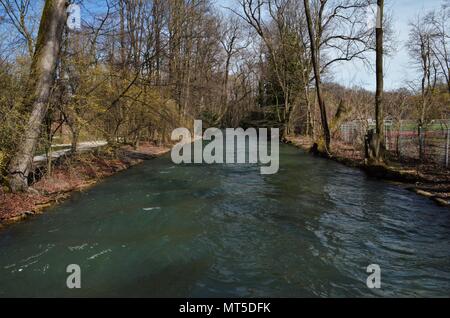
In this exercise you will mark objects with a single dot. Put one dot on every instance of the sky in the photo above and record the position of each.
(398, 70)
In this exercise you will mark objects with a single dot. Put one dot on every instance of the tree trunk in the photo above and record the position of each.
(42, 78)
(379, 115)
(123, 53)
(315, 62)
(75, 137)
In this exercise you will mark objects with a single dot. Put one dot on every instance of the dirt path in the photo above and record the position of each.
(82, 147)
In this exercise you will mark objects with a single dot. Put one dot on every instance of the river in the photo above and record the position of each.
(160, 230)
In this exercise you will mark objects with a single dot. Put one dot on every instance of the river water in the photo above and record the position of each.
(160, 230)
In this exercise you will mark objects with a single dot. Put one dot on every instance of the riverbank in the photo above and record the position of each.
(70, 175)
(426, 180)
(199, 230)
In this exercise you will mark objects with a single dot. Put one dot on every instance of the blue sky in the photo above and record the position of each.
(398, 70)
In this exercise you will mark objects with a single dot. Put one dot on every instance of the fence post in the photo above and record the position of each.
(447, 150)
(399, 140)
(421, 143)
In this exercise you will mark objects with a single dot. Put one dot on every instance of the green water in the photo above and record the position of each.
(160, 230)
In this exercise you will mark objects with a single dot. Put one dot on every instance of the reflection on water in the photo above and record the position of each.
(226, 230)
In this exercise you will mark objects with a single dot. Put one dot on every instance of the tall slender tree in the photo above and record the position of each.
(375, 143)
(317, 76)
(379, 115)
(42, 78)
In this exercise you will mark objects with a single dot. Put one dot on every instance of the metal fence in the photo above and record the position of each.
(405, 140)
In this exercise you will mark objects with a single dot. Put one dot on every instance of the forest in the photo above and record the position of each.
(133, 71)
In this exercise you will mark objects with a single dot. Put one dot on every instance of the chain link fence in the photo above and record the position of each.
(405, 140)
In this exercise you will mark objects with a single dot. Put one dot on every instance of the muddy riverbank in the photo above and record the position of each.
(70, 175)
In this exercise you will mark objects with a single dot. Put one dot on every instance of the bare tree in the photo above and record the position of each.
(18, 14)
(421, 50)
(317, 75)
(441, 40)
(337, 33)
(232, 44)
